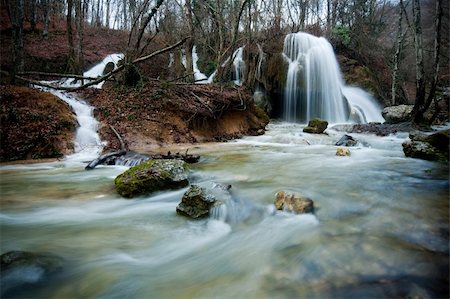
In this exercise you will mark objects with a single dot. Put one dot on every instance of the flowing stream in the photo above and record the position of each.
(380, 227)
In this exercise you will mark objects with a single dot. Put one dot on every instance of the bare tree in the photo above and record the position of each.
(17, 15)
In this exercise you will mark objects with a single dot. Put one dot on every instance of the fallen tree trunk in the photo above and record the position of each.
(124, 157)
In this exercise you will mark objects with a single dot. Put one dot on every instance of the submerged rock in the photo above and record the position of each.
(434, 147)
(397, 114)
(346, 140)
(22, 269)
(151, 176)
(316, 126)
(196, 202)
(340, 151)
(293, 202)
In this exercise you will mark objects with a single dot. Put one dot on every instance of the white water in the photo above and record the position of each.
(314, 84)
(88, 145)
(363, 104)
(239, 66)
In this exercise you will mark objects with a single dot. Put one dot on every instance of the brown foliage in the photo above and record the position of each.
(34, 125)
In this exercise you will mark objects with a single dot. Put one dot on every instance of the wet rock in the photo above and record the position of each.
(434, 147)
(196, 202)
(397, 114)
(342, 152)
(151, 176)
(316, 126)
(293, 202)
(346, 140)
(22, 269)
(381, 129)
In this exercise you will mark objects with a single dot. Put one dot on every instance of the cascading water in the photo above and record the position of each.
(314, 84)
(239, 66)
(88, 145)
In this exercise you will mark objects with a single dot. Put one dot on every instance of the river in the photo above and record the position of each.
(380, 227)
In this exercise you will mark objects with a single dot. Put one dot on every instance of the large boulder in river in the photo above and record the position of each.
(397, 114)
(316, 126)
(196, 202)
(151, 176)
(293, 202)
(22, 269)
(434, 147)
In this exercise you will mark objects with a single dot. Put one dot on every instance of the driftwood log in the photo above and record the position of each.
(112, 158)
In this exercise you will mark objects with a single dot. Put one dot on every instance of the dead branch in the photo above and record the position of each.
(122, 144)
(55, 75)
(108, 75)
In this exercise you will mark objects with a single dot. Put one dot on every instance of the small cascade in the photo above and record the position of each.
(131, 159)
(314, 84)
(239, 66)
(364, 107)
(88, 145)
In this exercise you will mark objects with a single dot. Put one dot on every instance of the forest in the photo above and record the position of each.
(387, 37)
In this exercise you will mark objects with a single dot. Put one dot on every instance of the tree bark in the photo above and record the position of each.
(398, 49)
(420, 70)
(17, 16)
(46, 11)
(189, 42)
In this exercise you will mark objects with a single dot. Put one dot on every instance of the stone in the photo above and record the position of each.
(342, 152)
(196, 203)
(397, 114)
(293, 202)
(21, 270)
(151, 176)
(433, 147)
(346, 140)
(316, 126)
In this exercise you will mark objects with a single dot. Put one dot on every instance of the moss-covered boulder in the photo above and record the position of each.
(316, 126)
(434, 147)
(151, 176)
(196, 202)
(293, 202)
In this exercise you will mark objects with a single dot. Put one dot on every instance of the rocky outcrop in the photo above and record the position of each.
(151, 176)
(380, 129)
(434, 147)
(21, 269)
(342, 152)
(397, 114)
(346, 140)
(293, 202)
(196, 202)
(316, 126)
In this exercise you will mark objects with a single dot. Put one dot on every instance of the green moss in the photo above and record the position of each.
(151, 176)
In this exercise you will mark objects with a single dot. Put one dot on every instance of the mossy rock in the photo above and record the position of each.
(196, 202)
(316, 126)
(434, 147)
(151, 176)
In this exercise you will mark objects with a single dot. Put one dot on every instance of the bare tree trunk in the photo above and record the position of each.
(398, 49)
(78, 45)
(107, 13)
(190, 41)
(17, 12)
(420, 71)
(46, 11)
(437, 52)
(33, 13)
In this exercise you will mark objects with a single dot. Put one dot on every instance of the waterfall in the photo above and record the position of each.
(239, 66)
(88, 145)
(314, 84)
